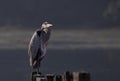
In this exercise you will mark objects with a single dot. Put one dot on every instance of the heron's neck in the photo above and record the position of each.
(46, 30)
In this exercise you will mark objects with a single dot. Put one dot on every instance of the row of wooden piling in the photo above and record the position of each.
(67, 76)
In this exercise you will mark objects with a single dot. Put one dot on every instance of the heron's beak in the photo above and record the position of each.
(47, 25)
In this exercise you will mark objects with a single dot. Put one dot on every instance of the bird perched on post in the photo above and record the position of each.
(37, 46)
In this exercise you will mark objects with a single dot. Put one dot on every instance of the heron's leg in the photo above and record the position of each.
(37, 70)
(33, 72)
(39, 64)
(38, 67)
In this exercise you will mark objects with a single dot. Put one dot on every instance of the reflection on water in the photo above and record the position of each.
(103, 64)
(63, 39)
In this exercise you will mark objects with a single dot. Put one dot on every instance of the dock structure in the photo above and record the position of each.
(58, 78)
(50, 77)
(81, 76)
(67, 76)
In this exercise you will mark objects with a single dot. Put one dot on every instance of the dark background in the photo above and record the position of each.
(63, 13)
(71, 48)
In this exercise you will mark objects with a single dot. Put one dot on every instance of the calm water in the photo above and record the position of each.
(103, 64)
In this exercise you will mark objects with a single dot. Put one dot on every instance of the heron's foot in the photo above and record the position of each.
(38, 71)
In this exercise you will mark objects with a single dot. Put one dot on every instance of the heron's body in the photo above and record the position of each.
(37, 46)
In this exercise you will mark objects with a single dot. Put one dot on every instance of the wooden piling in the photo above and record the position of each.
(58, 78)
(85, 76)
(42, 78)
(75, 76)
(81, 76)
(35, 76)
(49, 77)
(67, 76)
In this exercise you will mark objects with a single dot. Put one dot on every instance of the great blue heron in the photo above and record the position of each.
(37, 45)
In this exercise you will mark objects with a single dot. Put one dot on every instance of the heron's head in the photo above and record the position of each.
(46, 25)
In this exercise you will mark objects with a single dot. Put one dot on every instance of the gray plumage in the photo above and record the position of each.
(38, 45)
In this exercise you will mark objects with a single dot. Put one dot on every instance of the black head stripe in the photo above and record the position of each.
(39, 33)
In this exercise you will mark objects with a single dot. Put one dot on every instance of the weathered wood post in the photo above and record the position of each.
(81, 76)
(67, 76)
(58, 78)
(49, 77)
(42, 78)
(75, 76)
(85, 76)
(35, 76)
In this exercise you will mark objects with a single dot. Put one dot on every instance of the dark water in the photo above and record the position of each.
(103, 64)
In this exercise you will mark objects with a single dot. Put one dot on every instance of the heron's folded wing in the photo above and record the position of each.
(34, 45)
